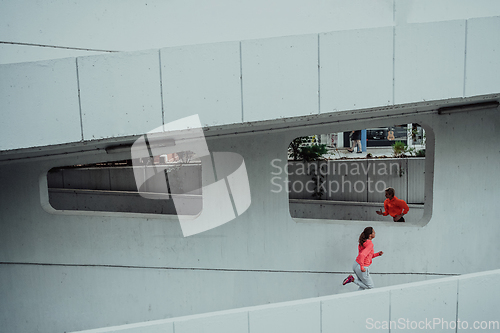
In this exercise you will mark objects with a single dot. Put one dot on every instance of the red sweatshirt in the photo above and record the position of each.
(364, 258)
(395, 206)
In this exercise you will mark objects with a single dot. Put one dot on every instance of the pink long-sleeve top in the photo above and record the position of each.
(364, 258)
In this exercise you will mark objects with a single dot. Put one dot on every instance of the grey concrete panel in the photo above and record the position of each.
(39, 103)
(429, 61)
(273, 257)
(482, 60)
(347, 181)
(363, 180)
(286, 318)
(416, 180)
(423, 305)
(181, 179)
(167, 327)
(346, 210)
(87, 178)
(217, 323)
(416, 306)
(120, 94)
(356, 312)
(186, 179)
(300, 179)
(55, 178)
(63, 311)
(127, 202)
(388, 173)
(122, 179)
(279, 77)
(204, 80)
(479, 301)
(367, 80)
(155, 180)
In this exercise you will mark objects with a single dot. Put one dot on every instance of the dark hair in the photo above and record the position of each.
(390, 191)
(365, 235)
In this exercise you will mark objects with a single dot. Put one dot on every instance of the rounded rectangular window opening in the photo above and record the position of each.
(344, 175)
(155, 185)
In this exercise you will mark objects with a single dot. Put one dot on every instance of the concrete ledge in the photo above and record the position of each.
(471, 296)
(331, 211)
(120, 201)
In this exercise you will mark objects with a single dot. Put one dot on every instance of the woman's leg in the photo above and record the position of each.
(364, 280)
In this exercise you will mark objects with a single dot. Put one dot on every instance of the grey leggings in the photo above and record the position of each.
(363, 279)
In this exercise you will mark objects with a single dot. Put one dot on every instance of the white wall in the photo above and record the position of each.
(356, 180)
(68, 271)
(440, 305)
(119, 94)
(126, 94)
(309, 211)
(133, 25)
(39, 104)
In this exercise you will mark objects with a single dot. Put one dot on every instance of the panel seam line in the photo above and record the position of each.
(79, 98)
(465, 57)
(220, 269)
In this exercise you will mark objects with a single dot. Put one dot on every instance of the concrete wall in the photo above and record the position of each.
(183, 179)
(95, 27)
(72, 271)
(114, 189)
(67, 271)
(126, 94)
(440, 305)
(356, 180)
(40, 99)
(311, 210)
(127, 202)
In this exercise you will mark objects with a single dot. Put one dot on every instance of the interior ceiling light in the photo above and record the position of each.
(468, 107)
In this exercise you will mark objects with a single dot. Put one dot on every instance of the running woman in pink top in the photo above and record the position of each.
(363, 260)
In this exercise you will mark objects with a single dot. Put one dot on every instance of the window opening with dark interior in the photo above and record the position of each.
(113, 186)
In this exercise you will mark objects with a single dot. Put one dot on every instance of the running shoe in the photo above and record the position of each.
(348, 279)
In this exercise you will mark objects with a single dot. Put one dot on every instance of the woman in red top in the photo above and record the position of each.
(363, 260)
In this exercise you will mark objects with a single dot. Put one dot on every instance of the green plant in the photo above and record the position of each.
(297, 150)
(294, 147)
(400, 149)
(313, 152)
(420, 153)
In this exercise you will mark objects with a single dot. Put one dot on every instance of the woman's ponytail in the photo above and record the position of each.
(365, 235)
